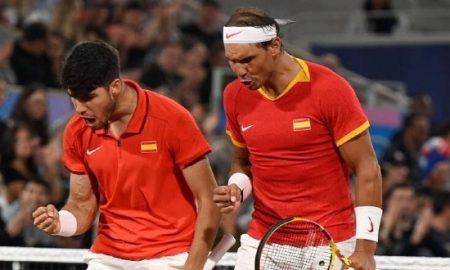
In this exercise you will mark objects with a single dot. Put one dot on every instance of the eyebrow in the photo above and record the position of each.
(240, 59)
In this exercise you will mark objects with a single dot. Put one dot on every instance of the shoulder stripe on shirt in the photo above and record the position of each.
(236, 143)
(353, 133)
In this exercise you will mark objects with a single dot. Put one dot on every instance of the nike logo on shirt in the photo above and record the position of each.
(90, 152)
(246, 128)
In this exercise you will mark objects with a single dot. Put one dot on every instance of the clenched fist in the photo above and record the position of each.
(227, 198)
(46, 218)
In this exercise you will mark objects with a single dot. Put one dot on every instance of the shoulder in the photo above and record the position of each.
(325, 81)
(323, 75)
(166, 109)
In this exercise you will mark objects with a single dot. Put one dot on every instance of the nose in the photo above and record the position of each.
(240, 70)
(80, 108)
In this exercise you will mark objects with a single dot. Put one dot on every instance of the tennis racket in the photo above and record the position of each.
(297, 243)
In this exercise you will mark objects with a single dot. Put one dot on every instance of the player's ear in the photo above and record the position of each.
(115, 87)
(275, 46)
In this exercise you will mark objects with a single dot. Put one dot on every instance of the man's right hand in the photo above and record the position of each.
(46, 218)
(227, 198)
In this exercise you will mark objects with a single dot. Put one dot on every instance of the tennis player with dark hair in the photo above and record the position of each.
(139, 159)
(298, 130)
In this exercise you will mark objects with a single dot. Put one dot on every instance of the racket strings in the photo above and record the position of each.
(296, 245)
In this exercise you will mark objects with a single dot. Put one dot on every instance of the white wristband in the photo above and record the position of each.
(243, 182)
(368, 220)
(68, 224)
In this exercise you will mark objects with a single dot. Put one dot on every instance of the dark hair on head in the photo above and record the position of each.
(252, 16)
(8, 145)
(89, 65)
(98, 31)
(39, 182)
(211, 3)
(35, 31)
(397, 186)
(441, 201)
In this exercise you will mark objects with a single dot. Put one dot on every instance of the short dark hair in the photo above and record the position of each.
(252, 16)
(89, 65)
(40, 182)
(441, 201)
(35, 31)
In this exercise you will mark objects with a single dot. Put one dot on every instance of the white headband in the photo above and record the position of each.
(248, 34)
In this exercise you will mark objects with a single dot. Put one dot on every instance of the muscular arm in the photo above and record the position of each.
(82, 203)
(201, 181)
(360, 157)
(241, 162)
(223, 194)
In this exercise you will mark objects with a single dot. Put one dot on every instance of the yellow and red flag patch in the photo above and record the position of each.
(301, 124)
(149, 147)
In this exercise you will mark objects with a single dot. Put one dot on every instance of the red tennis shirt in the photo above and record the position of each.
(293, 143)
(146, 207)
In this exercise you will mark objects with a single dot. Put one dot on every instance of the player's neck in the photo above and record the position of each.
(125, 106)
(286, 68)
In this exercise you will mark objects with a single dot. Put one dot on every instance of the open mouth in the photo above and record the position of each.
(246, 82)
(89, 120)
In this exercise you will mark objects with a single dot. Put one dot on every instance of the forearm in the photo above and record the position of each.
(84, 212)
(15, 226)
(368, 187)
(205, 232)
(368, 193)
(240, 165)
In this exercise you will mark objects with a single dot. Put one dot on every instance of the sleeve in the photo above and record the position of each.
(72, 155)
(232, 127)
(187, 142)
(341, 109)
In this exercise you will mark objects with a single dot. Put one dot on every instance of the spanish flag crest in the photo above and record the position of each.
(301, 124)
(149, 147)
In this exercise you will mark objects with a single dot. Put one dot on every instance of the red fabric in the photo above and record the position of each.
(147, 209)
(296, 167)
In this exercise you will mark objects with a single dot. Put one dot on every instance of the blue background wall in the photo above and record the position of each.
(424, 68)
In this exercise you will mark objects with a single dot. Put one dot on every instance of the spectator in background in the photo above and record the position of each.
(208, 26)
(422, 104)
(405, 224)
(162, 74)
(380, 17)
(3, 123)
(92, 32)
(18, 221)
(193, 73)
(440, 224)
(17, 166)
(134, 34)
(435, 162)
(29, 59)
(56, 50)
(31, 110)
(6, 48)
(408, 141)
(395, 170)
(67, 18)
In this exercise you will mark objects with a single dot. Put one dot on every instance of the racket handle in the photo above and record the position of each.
(219, 250)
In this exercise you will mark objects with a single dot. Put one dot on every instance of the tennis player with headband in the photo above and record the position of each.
(298, 131)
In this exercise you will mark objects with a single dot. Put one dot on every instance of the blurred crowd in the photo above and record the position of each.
(172, 47)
